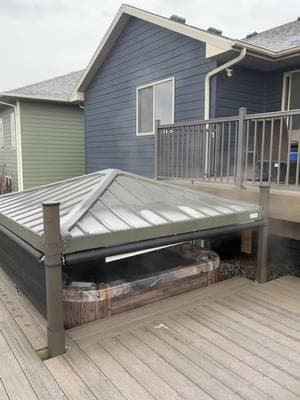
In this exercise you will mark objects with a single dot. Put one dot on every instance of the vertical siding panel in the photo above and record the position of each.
(143, 53)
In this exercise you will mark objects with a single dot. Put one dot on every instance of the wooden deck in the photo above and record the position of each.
(233, 340)
(285, 221)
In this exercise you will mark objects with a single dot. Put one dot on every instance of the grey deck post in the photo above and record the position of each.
(240, 147)
(53, 272)
(263, 235)
(157, 160)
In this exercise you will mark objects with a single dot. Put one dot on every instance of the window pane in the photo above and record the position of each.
(13, 130)
(145, 111)
(164, 102)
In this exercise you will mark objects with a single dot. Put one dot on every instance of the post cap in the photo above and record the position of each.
(52, 203)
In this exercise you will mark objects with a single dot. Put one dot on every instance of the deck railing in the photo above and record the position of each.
(241, 150)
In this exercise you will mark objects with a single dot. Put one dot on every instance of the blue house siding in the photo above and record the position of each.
(245, 88)
(259, 91)
(144, 53)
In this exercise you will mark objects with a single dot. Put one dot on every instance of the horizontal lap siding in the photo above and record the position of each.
(259, 91)
(8, 156)
(245, 88)
(52, 142)
(143, 53)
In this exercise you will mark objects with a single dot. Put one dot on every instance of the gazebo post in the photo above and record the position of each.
(53, 273)
(263, 235)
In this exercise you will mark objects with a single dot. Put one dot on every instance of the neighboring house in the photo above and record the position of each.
(149, 67)
(42, 132)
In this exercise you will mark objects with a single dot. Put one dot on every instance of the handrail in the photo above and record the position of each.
(200, 122)
(273, 114)
(243, 149)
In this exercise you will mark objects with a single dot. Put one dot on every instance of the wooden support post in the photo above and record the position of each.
(263, 235)
(157, 150)
(240, 173)
(53, 272)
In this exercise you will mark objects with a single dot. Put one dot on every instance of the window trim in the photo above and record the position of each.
(2, 134)
(155, 83)
(287, 75)
(13, 116)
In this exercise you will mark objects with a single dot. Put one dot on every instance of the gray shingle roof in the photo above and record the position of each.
(59, 88)
(280, 38)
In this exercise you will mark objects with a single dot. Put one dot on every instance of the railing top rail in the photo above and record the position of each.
(201, 122)
(273, 114)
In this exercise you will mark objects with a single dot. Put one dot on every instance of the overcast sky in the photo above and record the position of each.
(40, 39)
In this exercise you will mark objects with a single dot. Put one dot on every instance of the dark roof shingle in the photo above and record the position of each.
(280, 38)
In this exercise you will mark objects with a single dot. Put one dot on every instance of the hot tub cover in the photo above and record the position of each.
(112, 207)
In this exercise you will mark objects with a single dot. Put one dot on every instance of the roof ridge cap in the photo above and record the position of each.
(78, 211)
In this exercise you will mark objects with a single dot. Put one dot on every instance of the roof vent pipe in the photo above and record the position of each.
(250, 35)
(215, 31)
(177, 18)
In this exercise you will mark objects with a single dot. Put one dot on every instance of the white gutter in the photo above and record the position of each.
(18, 141)
(214, 72)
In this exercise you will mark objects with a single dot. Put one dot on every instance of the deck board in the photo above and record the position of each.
(234, 340)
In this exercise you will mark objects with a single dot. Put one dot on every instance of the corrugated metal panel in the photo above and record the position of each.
(112, 207)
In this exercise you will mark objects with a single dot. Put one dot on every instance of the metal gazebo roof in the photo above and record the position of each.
(111, 207)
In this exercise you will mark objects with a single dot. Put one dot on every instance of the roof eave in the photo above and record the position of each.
(220, 43)
(19, 96)
(266, 53)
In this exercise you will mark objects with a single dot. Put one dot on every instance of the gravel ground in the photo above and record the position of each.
(244, 266)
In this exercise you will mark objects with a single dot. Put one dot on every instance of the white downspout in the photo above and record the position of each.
(18, 141)
(208, 76)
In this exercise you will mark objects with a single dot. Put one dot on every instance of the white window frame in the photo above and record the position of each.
(172, 79)
(13, 131)
(284, 89)
(1, 135)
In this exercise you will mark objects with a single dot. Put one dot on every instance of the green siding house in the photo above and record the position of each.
(41, 133)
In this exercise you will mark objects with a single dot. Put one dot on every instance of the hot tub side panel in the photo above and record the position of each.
(24, 269)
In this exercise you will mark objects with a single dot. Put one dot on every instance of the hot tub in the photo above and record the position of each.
(122, 285)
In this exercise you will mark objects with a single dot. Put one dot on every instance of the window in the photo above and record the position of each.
(13, 130)
(291, 95)
(155, 101)
(1, 135)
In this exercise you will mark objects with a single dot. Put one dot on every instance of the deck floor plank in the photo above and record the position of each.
(145, 375)
(235, 340)
(14, 303)
(74, 387)
(230, 356)
(242, 353)
(187, 380)
(117, 374)
(96, 381)
(163, 339)
(12, 376)
(249, 339)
